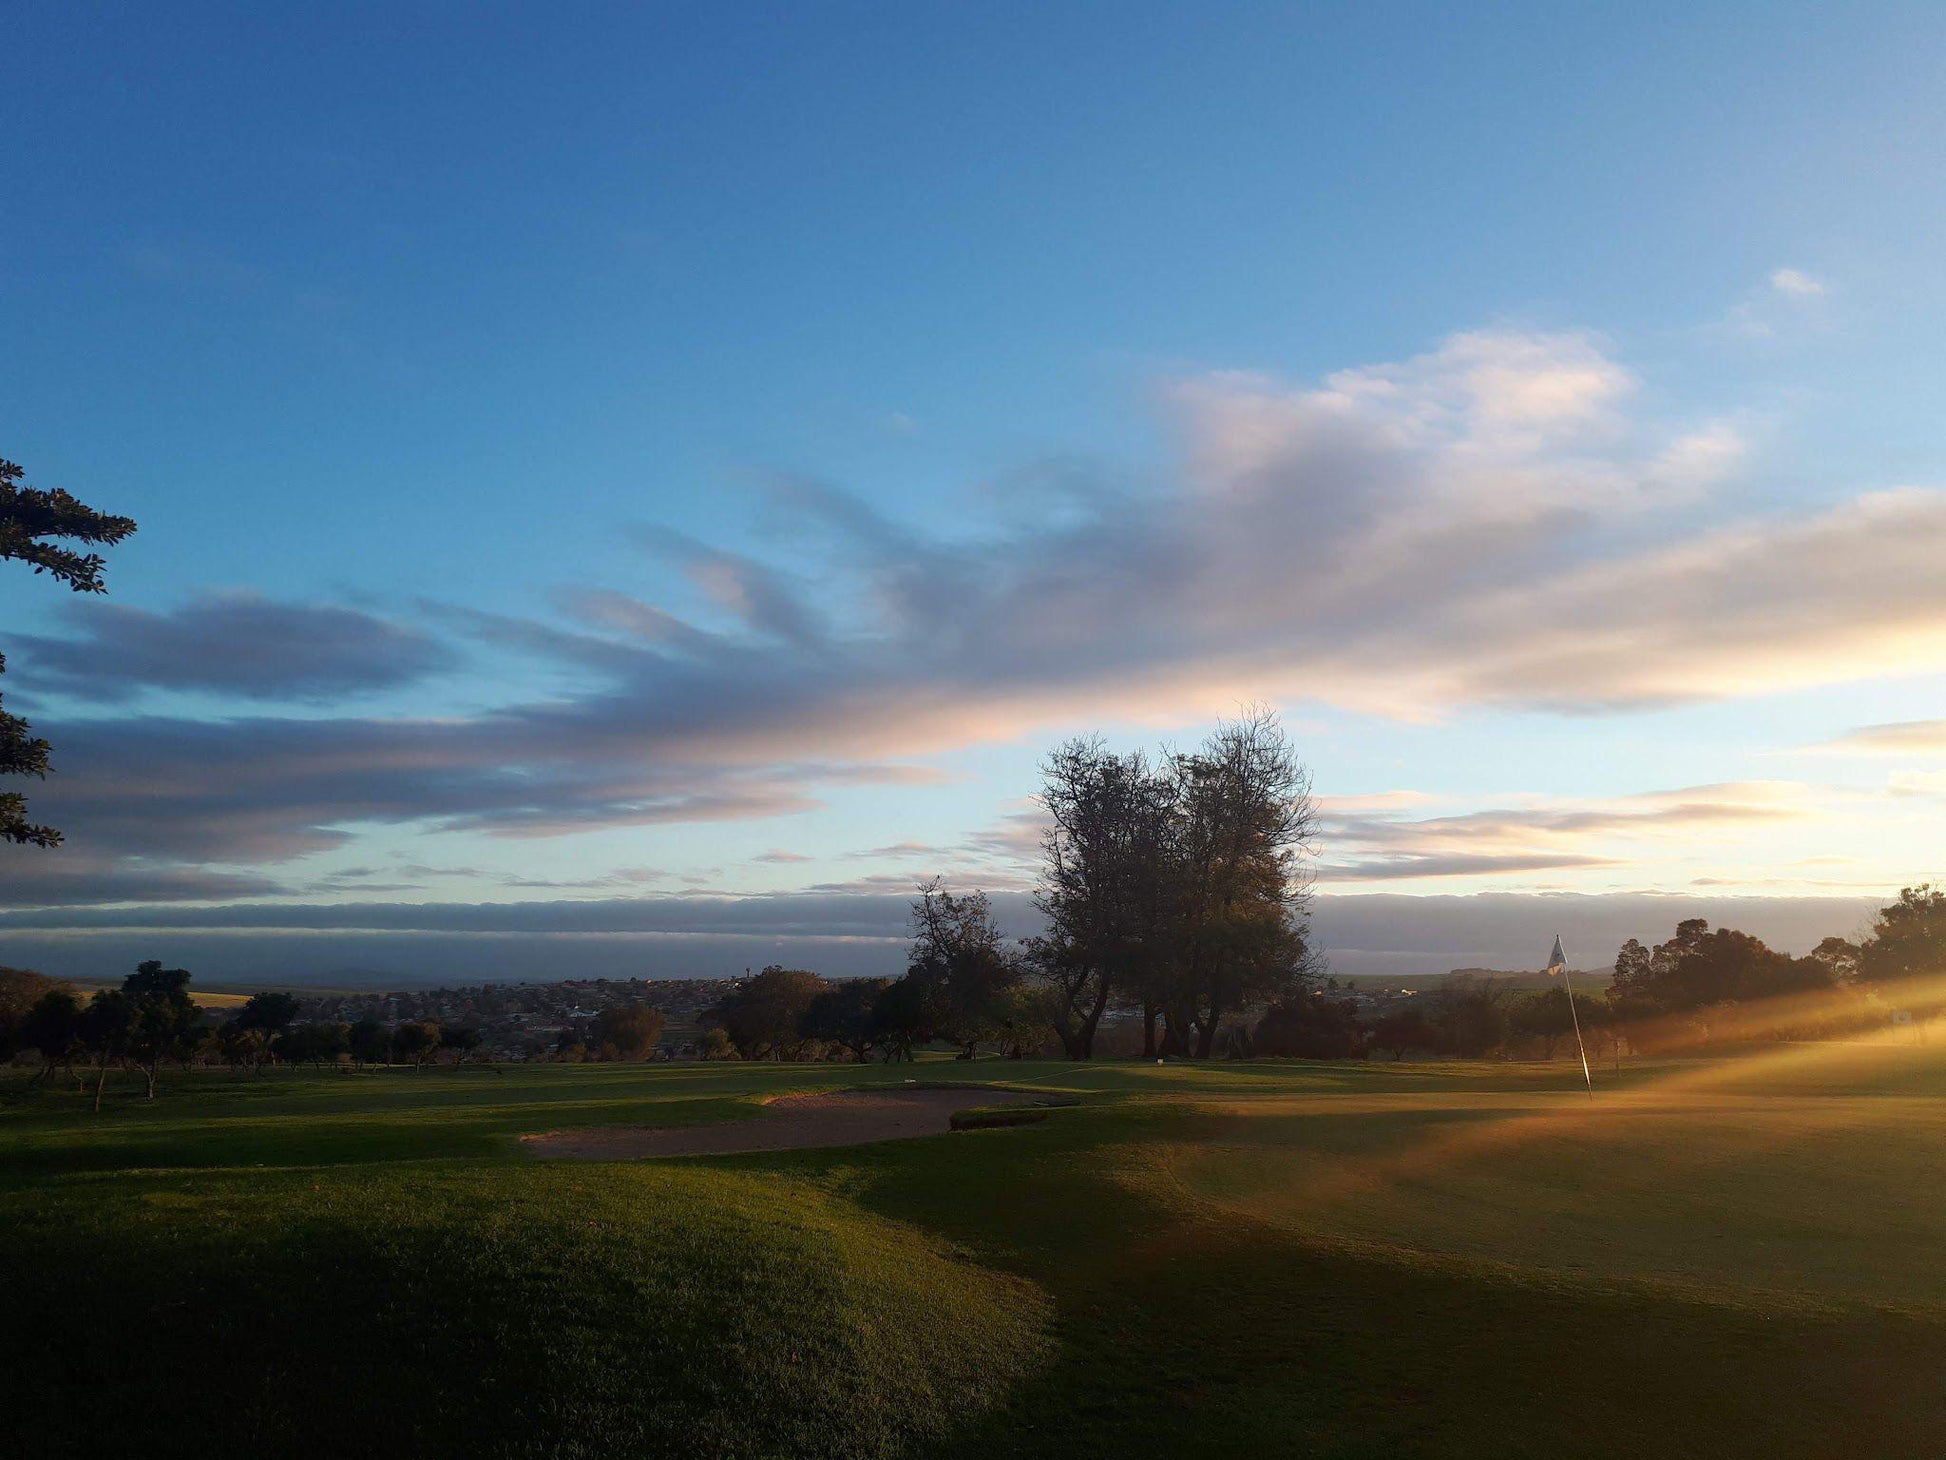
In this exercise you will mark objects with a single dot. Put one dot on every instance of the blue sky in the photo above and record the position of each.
(1510, 397)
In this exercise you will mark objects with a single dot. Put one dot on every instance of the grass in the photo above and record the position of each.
(1733, 1258)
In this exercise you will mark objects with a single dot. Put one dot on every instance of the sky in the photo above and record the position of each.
(635, 489)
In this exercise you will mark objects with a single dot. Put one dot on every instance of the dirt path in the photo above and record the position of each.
(790, 1123)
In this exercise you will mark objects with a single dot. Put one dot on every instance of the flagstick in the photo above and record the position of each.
(1568, 982)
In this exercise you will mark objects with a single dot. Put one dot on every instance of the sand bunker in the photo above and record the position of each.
(790, 1123)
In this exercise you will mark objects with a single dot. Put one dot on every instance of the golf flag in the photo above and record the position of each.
(1557, 966)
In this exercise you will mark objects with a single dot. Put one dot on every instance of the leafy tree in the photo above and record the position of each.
(965, 981)
(1244, 822)
(1104, 891)
(1309, 1025)
(1543, 1016)
(240, 1044)
(416, 1041)
(20, 990)
(270, 1011)
(370, 1042)
(164, 1022)
(253, 1035)
(762, 1016)
(902, 1018)
(105, 1029)
(1699, 967)
(53, 1027)
(1908, 939)
(317, 1043)
(629, 1030)
(1399, 1030)
(1469, 1014)
(33, 521)
(845, 1015)
(462, 1039)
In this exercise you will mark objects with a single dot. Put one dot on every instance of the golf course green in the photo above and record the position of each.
(1729, 1257)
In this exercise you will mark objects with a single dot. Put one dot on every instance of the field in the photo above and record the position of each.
(1730, 1258)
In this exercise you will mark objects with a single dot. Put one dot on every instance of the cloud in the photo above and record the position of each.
(64, 879)
(238, 644)
(1497, 523)
(1787, 301)
(1373, 801)
(1573, 835)
(1931, 784)
(839, 933)
(1904, 737)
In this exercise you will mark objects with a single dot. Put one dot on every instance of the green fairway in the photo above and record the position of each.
(1739, 1258)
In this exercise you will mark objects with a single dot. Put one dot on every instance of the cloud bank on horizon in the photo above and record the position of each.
(1499, 527)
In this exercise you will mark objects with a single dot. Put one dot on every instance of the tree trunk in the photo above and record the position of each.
(1206, 1034)
(149, 1072)
(1085, 1038)
(1149, 1013)
(100, 1080)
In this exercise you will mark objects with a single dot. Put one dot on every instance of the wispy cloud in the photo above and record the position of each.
(1904, 737)
(1789, 300)
(1496, 523)
(235, 644)
(1554, 835)
(1795, 284)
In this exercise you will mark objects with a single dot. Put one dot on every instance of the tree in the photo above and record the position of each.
(257, 1027)
(1399, 1030)
(964, 979)
(901, 1018)
(370, 1042)
(164, 1022)
(762, 1015)
(1309, 1025)
(239, 1044)
(53, 1027)
(1244, 822)
(1104, 889)
(629, 1030)
(271, 1012)
(844, 1015)
(1908, 939)
(104, 1032)
(416, 1041)
(1699, 967)
(1469, 1014)
(461, 1039)
(317, 1043)
(32, 522)
(1840, 958)
(20, 990)
(1544, 1016)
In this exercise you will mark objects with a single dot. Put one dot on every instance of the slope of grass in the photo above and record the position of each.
(1710, 1259)
(435, 1309)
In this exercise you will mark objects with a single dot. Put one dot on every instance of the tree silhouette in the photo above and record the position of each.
(29, 517)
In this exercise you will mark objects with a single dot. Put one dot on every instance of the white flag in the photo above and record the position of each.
(1557, 961)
